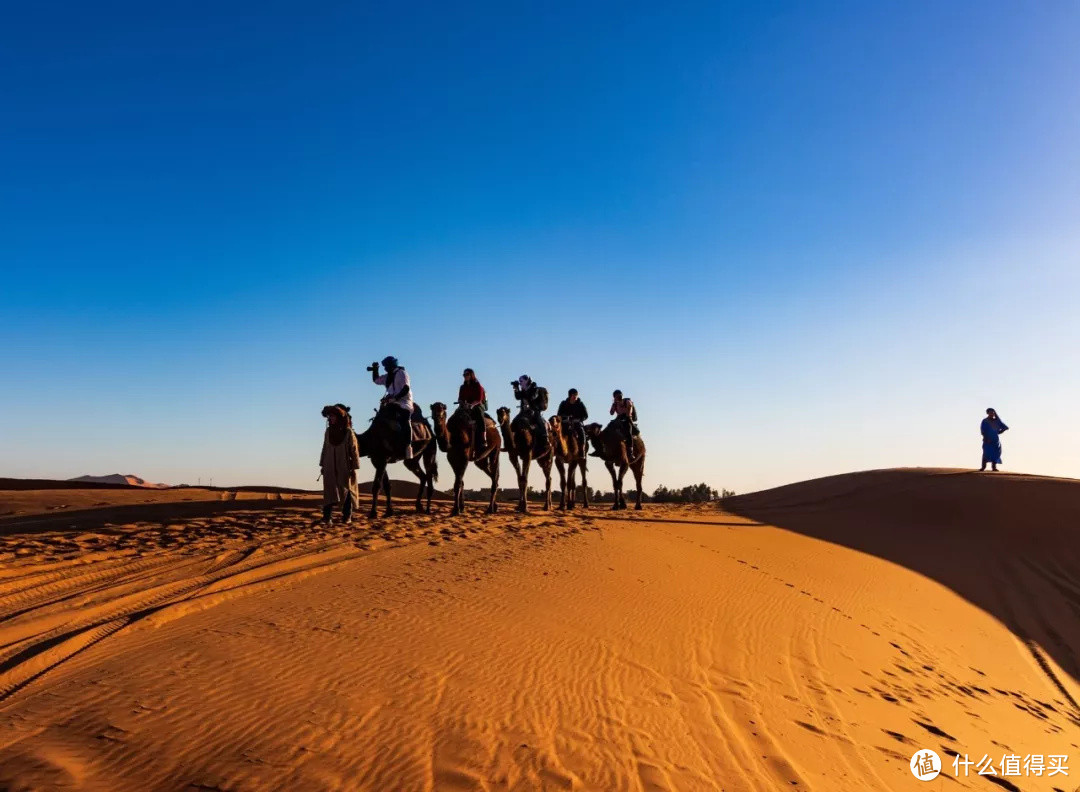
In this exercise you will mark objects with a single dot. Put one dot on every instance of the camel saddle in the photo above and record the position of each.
(421, 431)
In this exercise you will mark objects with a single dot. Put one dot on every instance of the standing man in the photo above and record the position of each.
(339, 462)
(990, 429)
(572, 409)
(472, 397)
(397, 402)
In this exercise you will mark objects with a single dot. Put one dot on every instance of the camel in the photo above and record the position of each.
(454, 435)
(611, 443)
(571, 454)
(519, 441)
(379, 443)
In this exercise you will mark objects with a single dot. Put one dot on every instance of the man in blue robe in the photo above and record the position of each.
(990, 428)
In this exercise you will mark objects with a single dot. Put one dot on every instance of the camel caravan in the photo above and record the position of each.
(399, 432)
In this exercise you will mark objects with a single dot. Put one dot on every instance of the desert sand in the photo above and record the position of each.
(809, 637)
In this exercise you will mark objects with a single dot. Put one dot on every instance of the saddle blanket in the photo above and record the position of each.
(420, 431)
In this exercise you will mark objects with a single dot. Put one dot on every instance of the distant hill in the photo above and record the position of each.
(120, 479)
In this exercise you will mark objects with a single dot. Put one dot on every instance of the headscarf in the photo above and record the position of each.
(337, 432)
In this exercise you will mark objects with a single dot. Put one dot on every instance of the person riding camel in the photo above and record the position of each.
(532, 400)
(572, 410)
(472, 397)
(625, 416)
(397, 402)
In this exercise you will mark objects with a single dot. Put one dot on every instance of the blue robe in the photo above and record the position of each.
(990, 429)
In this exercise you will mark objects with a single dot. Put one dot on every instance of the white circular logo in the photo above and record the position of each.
(925, 764)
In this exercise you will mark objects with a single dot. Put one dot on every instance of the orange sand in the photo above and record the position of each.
(675, 649)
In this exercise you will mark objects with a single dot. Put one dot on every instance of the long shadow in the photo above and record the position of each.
(648, 519)
(1008, 544)
(84, 519)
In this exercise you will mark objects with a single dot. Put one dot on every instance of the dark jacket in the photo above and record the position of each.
(531, 396)
(573, 410)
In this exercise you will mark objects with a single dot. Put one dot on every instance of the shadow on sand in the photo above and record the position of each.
(1009, 544)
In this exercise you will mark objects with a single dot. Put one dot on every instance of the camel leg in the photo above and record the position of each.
(570, 485)
(413, 466)
(433, 473)
(637, 478)
(386, 490)
(562, 482)
(460, 485)
(493, 504)
(622, 494)
(523, 485)
(584, 484)
(430, 492)
(614, 484)
(515, 462)
(547, 485)
(376, 482)
(459, 490)
(459, 479)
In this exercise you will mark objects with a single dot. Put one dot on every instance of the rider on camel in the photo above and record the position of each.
(397, 402)
(472, 397)
(626, 417)
(532, 401)
(572, 411)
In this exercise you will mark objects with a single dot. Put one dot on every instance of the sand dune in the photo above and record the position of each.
(124, 479)
(1007, 543)
(798, 646)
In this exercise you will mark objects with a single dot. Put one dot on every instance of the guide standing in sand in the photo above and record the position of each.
(990, 428)
(339, 462)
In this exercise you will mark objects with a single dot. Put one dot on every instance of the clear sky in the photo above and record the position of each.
(805, 238)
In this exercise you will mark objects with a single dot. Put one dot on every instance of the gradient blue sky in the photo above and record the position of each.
(806, 238)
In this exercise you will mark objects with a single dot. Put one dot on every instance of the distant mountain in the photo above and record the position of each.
(117, 478)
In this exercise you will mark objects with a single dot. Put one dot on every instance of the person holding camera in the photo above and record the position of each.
(533, 404)
(397, 402)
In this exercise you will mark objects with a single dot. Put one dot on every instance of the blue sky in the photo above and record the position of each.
(806, 238)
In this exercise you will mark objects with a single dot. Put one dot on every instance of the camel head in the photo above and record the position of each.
(555, 422)
(593, 430)
(503, 415)
(438, 411)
